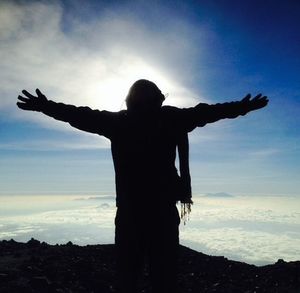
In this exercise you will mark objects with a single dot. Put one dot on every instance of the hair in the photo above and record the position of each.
(144, 95)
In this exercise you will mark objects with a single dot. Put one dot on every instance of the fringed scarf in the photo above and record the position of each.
(185, 177)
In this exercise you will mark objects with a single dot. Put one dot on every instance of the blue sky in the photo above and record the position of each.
(202, 51)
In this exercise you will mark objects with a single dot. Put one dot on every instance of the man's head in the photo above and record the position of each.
(144, 95)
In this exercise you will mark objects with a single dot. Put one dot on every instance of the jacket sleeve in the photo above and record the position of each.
(203, 113)
(83, 118)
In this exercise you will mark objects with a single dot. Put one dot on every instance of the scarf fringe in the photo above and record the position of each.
(186, 209)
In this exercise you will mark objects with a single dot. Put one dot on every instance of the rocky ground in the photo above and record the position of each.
(40, 267)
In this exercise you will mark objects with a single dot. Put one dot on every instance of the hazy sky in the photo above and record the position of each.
(90, 52)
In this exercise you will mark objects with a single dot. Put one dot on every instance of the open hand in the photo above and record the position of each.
(31, 102)
(255, 103)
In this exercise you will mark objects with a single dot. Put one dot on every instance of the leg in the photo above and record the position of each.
(163, 249)
(129, 252)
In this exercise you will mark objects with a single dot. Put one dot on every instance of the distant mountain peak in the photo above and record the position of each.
(219, 194)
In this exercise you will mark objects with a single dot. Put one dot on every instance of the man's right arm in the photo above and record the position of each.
(83, 118)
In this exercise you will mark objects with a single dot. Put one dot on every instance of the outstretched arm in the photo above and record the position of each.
(83, 118)
(204, 113)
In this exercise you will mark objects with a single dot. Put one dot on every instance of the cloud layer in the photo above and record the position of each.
(252, 229)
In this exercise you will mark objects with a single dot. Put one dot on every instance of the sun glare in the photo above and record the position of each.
(110, 92)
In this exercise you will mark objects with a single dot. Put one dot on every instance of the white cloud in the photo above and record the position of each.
(252, 229)
(246, 209)
(263, 153)
(91, 63)
(57, 219)
(255, 247)
(229, 227)
(84, 141)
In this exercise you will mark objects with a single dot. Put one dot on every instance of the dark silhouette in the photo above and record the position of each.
(144, 139)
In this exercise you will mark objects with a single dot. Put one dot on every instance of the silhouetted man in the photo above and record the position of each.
(143, 143)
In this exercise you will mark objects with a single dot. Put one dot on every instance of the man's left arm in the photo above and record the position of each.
(203, 113)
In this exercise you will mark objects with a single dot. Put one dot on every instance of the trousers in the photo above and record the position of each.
(147, 234)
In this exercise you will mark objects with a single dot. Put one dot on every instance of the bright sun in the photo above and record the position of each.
(109, 92)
